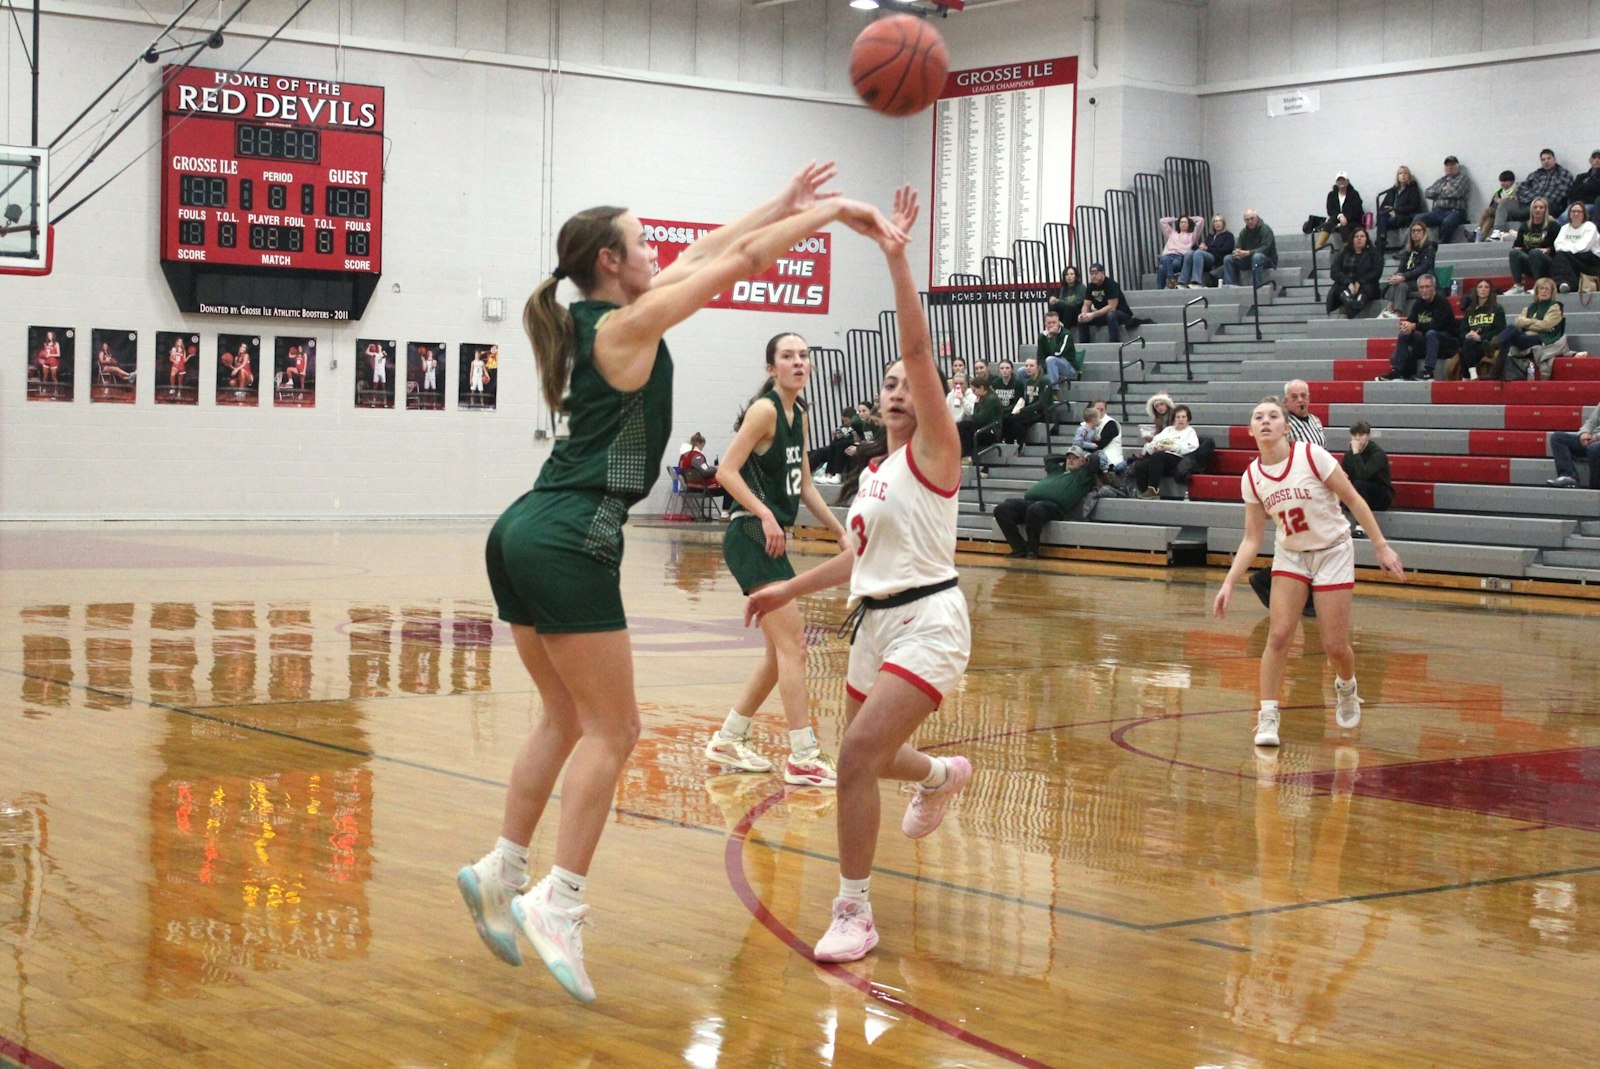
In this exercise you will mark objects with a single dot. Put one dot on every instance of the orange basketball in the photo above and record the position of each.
(898, 65)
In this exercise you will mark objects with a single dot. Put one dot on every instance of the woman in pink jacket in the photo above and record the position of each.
(1180, 235)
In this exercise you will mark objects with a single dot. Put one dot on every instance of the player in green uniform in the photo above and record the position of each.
(767, 471)
(554, 556)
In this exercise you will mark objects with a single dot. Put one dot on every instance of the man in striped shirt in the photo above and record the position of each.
(1303, 426)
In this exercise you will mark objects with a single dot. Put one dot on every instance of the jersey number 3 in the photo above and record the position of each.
(859, 526)
(1293, 521)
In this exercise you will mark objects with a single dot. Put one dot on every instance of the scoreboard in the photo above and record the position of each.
(269, 176)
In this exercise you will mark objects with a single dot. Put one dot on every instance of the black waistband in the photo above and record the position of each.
(906, 597)
(852, 623)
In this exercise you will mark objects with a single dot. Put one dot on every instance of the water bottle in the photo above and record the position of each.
(1533, 368)
(1455, 287)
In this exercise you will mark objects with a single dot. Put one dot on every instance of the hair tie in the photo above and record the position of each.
(558, 274)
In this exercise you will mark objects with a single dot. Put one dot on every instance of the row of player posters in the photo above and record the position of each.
(114, 370)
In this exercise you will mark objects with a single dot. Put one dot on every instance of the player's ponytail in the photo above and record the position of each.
(547, 321)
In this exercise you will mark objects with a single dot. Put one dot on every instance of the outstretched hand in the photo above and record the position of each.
(805, 188)
(905, 209)
(868, 221)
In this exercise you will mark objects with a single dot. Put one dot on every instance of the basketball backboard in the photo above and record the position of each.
(26, 239)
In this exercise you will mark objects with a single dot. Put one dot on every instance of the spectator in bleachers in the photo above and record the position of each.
(1449, 197)
(1106, 304)
(1577, 249)
(868, 424)
(1368, 467)
(1215, 247)
(1256, 247)
(986, 410)
(1563, 444)
(1586, 189)
(1551, 181)
(1070, 297)
(980, 370)
(1060, 358)
(1163, 453)
(959, 399)
(1182, 237)
(1067, 489)
(1033, 401)
(1357, 269)
(1398, 205)
(1492, 223)
(1100, 436)
(1532, 255)
(1159, 408)
(1006, 385)
(829, 461)
(1535, 337)
(1415, 260)
(1482, 320)
(958, 370)
(1345, 212)
(1428, 332)
(1303, 425)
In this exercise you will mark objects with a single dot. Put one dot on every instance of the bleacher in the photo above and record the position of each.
(1469, 459)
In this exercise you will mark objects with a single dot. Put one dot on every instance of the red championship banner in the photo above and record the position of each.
(797, 283)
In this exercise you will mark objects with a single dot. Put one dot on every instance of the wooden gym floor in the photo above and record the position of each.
(239, 766)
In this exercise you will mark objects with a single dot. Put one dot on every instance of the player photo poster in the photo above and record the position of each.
(114, 366)
(425, 375)
(480, 375)
(238, 369)
(294, 372)
(50, 361)
(177, 371)
(375, 373)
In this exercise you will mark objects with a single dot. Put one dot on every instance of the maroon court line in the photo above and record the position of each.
(733, 858)
(24, 1057)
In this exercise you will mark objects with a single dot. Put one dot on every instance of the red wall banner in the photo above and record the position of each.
(798, 283)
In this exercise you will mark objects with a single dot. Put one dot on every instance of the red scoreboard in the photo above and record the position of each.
(270, 175)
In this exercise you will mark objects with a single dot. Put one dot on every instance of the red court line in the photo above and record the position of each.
(733, 858)
(13, 1053)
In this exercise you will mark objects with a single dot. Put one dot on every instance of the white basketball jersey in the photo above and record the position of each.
(903, 528)
(1298, 499)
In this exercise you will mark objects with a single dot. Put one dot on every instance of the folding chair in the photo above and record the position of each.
(698, 500)
(676, 508)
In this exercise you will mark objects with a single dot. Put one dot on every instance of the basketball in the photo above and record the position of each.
(898, 65)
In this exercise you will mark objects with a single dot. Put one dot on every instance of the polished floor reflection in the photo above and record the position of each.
(240, 765)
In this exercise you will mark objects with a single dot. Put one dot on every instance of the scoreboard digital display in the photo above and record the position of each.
(273, 173)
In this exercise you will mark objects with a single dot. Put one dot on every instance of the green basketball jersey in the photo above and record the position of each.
(613, 455)
(775, 475)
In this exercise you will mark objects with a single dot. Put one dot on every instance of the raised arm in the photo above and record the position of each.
(625, 344)
(936, 446)
(802, 193)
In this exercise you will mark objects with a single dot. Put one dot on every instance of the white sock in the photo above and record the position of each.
(802, 740)
(937, 775)
(736, 726)
(1269, 707)
(566, 888)
(513, 861)
(855, 890)
(1345, 684)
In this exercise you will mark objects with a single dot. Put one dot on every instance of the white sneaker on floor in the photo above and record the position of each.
(1516, 291)
(1267, 727)
(1347, 705)
(851, 935)
(736, 753)
(557, 934)
(1388, 313)
(489, 898)
(926, 810)
(812, 768)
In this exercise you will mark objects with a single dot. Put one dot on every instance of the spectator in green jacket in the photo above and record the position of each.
(1065, 491)
(1257, 247)
(1033, 401)
(1061, 360)
(1368, 467)
(986, 410)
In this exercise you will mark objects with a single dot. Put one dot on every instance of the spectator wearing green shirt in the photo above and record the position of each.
(1057, 355)
(1257, 247)
(1065, 491)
